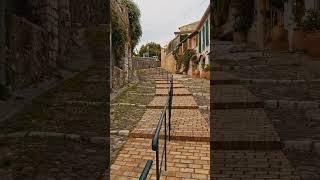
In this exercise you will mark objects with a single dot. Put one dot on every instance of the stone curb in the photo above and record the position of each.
(128, 104)
(73, 137)
(85, 103)
(276, 82)
(303, 145)
(277, 104)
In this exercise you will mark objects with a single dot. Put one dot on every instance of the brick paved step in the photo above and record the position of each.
(251, 165)
(233, 97)
(243, 129)
(186, 160)
(220, 77)
(176, 92)
(186, 125)
(178, 102)
(166, 86)
(166, 82)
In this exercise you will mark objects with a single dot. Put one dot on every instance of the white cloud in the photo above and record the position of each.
(161, 18)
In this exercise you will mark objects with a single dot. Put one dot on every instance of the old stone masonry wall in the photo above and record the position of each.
(40, 34)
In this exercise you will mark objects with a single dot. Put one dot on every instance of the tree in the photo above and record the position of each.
(154, 49)
(135, 29)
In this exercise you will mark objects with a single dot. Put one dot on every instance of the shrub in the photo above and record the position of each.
(312, 20)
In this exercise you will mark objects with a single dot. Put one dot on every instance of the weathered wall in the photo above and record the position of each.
(144, 63)
(168, 62)
(28, 51)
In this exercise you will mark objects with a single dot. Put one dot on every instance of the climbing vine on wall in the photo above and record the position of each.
(244, 20)
(188, 56)
(119, 38)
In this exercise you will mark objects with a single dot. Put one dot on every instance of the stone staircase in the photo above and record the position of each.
(244, 143)
(187, 152)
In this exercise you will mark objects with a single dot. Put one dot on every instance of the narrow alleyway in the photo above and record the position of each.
(188, 150)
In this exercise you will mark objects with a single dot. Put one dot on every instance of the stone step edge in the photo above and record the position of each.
(168, 87)
(173, 107)
(66, 136)
(225, 82)
(246, 145)
(185, 94)
(237, 105)
(173, 137)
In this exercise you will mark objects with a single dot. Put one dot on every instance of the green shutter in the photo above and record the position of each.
(207, 33)
(204, 37)
(199, 39)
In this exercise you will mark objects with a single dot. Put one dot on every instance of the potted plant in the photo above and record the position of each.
(311, 26)
(243, 21)
(206, 72)
(298, 35)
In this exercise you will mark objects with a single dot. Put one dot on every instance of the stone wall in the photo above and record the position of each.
(118, 78)
(168, 62)
(144, 63)
(27, 51)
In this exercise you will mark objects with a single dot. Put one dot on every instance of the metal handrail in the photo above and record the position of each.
(146, 170)
(155, 140)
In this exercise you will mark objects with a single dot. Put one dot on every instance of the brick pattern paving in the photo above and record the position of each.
(244, 143)
(245, 165)
(178, 102)
(176, 92)
(188, 151)
(186, 160)
(165, 82)
(234, 96)
(166, 86)
(243, 128)
(186, 125)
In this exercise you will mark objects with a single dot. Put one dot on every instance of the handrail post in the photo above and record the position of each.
(157, 164)
(165, 140)
(170, 104)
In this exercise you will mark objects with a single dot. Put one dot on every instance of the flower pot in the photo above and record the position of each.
(312, 41)
(278, 33)
(298, 39)
(239, 37)
(197, 74)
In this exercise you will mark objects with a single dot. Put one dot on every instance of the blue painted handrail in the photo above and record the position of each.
(146, 170)
(155, 141)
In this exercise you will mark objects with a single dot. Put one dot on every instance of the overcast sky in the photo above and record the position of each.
(161, 18)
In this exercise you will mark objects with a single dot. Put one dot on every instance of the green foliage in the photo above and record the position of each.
(178, 58)
(299, 11)
(154, 49)
(135, 29)
(206, 68)
(119, 37)
(244, 20)
(189, 55)
(312, 20)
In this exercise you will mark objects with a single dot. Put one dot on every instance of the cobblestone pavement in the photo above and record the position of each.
(62, 134)
(283, 77)
(188, 157)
